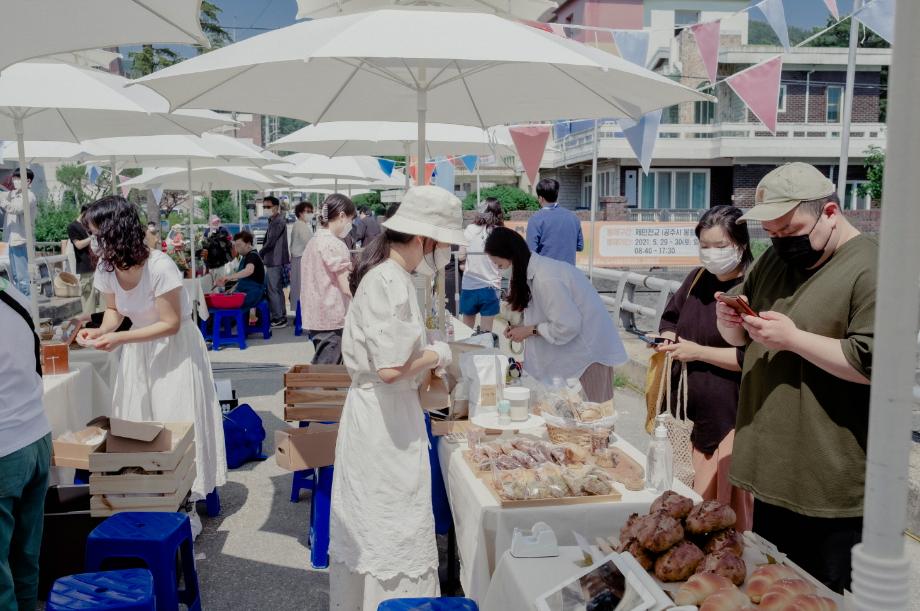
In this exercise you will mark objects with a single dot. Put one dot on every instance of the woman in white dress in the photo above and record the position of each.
(382, 527)
(164, 374)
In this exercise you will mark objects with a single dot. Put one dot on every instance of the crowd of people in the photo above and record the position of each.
(778, 394)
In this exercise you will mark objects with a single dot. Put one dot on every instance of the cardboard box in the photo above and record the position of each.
(55, 358)
(76, 453)
(433, 393)
(181, 435)
(306, 448)
(130, 436)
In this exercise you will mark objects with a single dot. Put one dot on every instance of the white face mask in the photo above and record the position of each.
(440, 258)
(719, 261)
(344, 230)
(17, 183)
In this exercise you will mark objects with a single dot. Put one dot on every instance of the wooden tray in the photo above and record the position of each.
(166, 482)
(317, 376)
(183, 435)
(101, 505)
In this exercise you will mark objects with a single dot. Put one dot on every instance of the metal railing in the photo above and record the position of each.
(624, 307)
(46, 268)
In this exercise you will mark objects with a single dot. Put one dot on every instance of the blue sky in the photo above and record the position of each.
(278, 13)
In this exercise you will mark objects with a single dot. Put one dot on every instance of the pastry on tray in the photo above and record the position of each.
(658, 531)
(726, 564)
(763, 578)
(710, 516)
(729, 540)
(731, 599)
(700, 587)
(673, 504)
(679, 562)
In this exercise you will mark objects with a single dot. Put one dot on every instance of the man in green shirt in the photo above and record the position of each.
(803, 413)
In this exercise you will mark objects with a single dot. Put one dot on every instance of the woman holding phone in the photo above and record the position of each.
(688, 326)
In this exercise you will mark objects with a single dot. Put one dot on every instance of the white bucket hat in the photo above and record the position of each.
(431, 212)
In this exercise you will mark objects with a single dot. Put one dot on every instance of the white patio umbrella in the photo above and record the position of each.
(41, 151)
(340, 170)
(418, 65)
(205, 178)
(60, 102)
(521, 9)
(33, 28)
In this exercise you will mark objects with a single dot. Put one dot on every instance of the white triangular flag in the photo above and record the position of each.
(776, 17)
(878, 16)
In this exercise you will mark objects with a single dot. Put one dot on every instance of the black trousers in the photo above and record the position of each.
(820, 546)
(328, 347)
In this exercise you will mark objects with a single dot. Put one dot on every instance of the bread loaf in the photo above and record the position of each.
(679, 562)
(763, 578)
(699, 587)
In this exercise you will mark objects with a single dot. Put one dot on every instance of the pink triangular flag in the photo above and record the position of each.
(832, 7)
(530, 142)
(758, 87)
(707, 41)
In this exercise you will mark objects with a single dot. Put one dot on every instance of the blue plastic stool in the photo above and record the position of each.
(265, 324)
(127, 590)
(155, 538)
(428, 604)
(298, 321)
(440, 504)
(224, 337)
(319, 517)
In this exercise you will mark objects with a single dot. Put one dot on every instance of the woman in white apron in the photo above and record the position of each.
(164, 374)
(382, 527)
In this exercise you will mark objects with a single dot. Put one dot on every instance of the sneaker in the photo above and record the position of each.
(277, 324)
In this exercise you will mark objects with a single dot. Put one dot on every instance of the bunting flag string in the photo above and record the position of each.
(386, 166)
(530, 142)
(758, 87)
(444, 174)
(470, 161)
(706, 36)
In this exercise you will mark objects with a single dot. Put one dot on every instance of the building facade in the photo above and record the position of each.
(710, 153)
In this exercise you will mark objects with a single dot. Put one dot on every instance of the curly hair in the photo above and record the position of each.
(119, 231)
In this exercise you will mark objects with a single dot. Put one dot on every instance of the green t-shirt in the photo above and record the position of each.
(800, 437)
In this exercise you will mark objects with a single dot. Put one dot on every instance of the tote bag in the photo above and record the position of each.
(679, 426)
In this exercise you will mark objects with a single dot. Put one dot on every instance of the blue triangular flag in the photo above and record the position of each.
(92, 174)
(386, 165)
(470, 161)
(633, 45)
(444, 175)
(642, 136)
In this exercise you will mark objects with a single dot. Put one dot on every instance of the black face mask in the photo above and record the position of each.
(797, 251)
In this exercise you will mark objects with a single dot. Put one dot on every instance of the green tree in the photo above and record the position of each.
(77, 188)
(51, 224)
(150, 59)
(510, 197)
(371, 200)
(760, 33)
(210, 25)
(875, 173)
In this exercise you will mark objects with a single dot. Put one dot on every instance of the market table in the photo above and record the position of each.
(484, 529)
(74, 398)
(517, 582)
(105, 363)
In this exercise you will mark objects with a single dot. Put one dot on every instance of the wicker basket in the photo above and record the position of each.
(66, 285)
(558, 434)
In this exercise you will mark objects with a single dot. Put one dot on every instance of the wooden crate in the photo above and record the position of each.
(144, 481)
(315, 392)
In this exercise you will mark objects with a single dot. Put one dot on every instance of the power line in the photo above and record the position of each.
(268, 3)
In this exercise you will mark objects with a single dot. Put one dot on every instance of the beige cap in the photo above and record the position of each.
(785, 188)
(431, 212)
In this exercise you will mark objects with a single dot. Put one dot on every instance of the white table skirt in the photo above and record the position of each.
(484, 529)
(105, 363)
(74, 398)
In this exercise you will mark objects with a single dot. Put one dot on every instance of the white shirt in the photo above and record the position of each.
(22, 414)
(575, 328)
(14, 230)
(479, 272)
(159, 277)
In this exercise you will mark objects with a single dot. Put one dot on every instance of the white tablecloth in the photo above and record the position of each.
(196, 288)
(484, 529)
(74, 398)
(105, 363)
(518, 582)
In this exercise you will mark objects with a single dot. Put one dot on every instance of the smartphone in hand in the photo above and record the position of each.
(652, 341)
(738, 304)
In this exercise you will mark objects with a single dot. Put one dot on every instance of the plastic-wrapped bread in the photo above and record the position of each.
(597, 482)
(503, 462)
(626, 470)
(763, 578)
(727, 600)
(710, 516)
(783, 591)
(524, 458)
(659, 531)
(575, 454)
(726, 564)
(551, 476)
(679, 562)
(729, 540)
(811, 602)
(673, 504)
(700, 587)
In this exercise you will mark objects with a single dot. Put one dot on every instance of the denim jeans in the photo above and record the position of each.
(253, 290)
(23, 484)
(19, 267)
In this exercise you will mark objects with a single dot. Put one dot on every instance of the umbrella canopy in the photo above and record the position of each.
(417, 65)
(41, 151)
(394, 138)
(347, 168)
(33, 28)
(204, 179)
(521, 9)
(208, 150)
(58, 101)
(310, 185)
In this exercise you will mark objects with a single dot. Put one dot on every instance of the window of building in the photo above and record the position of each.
(782, 99)
(606, 180)
(685, 18)
(675, 188)
(834, 104)
(852, 200)
(704, 113)
(670, 115)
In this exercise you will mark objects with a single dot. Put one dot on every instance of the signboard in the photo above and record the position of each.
(634, 244)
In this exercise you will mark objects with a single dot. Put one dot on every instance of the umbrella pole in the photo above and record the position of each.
(421, 165)
(210, 205)
(478, 187)
(408, 157)
(881, 570)
(335, 185)
(593, 205)
(114, 175)
(191, 225)
(239, 205)
(27, 217)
